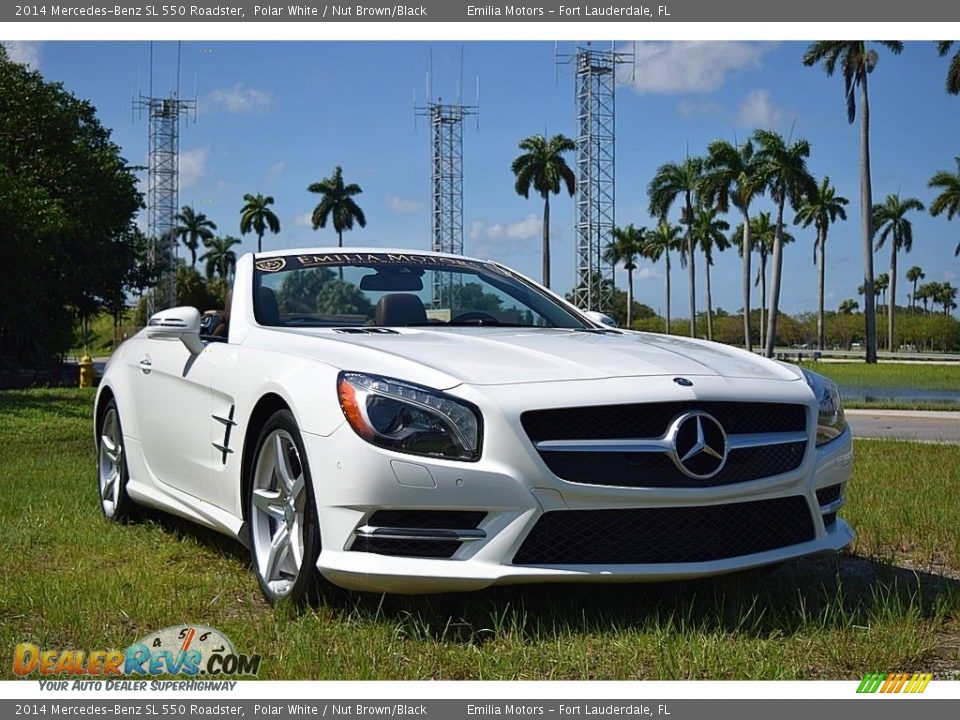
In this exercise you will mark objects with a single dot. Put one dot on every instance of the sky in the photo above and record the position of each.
(273, 117)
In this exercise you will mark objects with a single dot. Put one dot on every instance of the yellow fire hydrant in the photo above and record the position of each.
(86, 371)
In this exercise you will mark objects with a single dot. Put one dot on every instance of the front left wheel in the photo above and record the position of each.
(282, 514)
(112, 467)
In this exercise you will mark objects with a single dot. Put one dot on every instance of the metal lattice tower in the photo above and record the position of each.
(446, 142)
(163, 171)
(596, 80)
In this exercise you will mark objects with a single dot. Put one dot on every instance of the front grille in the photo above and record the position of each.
(658, 470)
(666, 535)
(420, 519)
(406, 548)
(650, 420)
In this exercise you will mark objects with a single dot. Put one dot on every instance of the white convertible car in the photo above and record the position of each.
(411, 422)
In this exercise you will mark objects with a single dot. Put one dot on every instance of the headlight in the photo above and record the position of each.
(410, 418)
(830, 420)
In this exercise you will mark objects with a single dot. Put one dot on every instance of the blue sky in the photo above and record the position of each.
(274, 117)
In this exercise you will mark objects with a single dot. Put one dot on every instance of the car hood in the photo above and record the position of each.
(501, 356)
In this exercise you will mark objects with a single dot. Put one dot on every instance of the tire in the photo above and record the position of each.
(284, 532)
(112, 472)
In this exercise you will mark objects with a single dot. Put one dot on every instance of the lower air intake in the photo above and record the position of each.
(666, 535)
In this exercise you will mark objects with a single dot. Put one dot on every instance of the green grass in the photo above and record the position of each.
(70, 579)
(901, 405)
(904, 375)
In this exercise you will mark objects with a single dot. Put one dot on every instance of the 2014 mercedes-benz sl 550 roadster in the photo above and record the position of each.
(412, 422)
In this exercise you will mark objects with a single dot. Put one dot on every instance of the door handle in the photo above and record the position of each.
(145, 365)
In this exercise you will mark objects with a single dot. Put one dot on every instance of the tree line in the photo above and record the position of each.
(68, 202)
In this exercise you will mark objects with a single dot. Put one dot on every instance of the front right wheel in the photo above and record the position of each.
(282, 514)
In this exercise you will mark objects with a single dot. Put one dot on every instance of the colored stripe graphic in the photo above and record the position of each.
(895, 682)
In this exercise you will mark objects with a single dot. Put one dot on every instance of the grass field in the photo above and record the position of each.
(69, 579)
(916, 376)
(901, 375)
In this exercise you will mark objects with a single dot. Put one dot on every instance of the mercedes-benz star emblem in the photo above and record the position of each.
(699, 445)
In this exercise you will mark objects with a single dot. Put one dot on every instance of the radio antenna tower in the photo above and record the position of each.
(596, 79)
(163, 171)
(446, 143)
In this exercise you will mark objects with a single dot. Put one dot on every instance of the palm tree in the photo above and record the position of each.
(890, 221)
(787, 178)
(925, 293)
(626, 245)
(880, 287)
(542, 166)
(220, 259)
(848, 306)
(733, 177)
(914, 275)
(953, 73)
(192, 228)
(337, 203)
(949, 200)
(656, 244)
(709, 231)
(670, 182)
(821, 209)
(763, 235)
(946, 296)
(857, 61)
(257, 216)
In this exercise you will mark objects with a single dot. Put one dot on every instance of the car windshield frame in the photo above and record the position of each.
(489, 275)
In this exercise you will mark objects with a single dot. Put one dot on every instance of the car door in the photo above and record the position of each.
(173, 413)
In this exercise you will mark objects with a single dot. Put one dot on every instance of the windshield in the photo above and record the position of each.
(398, 290)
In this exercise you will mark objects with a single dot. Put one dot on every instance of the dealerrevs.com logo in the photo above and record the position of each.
(191, 650)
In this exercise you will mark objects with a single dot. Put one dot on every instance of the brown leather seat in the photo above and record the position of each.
(399, 309)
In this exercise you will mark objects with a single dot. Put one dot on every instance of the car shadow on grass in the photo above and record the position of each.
(814, 594)
(821, 594)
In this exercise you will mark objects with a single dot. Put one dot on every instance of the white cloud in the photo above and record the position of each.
(240, 100)
(24, 52)
(274, 171)
(758, 110)
(402, 206)
(476, 230)
(691, 67)
(529, 227)
(647, 273)
(193, 165)
(691, 108)
(949, 275)
(304, 220)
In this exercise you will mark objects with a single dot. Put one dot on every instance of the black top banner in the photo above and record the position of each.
(738, 11)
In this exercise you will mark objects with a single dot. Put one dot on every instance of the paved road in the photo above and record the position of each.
(928, 426)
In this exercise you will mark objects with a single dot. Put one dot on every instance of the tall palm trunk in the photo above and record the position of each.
(821, 274)
(260, 242)
(546, 241)
(692, 275)
(340, 245)
(629, 298)
(763, 296)
(666, 255)
(706, 261)
(892, 305)
(866, 220)
(747, 339)
(775, 280)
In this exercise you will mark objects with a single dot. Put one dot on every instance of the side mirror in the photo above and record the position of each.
(180, 323)
(599, 317)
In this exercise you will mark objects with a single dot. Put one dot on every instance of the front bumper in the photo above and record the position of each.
(354, 480)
